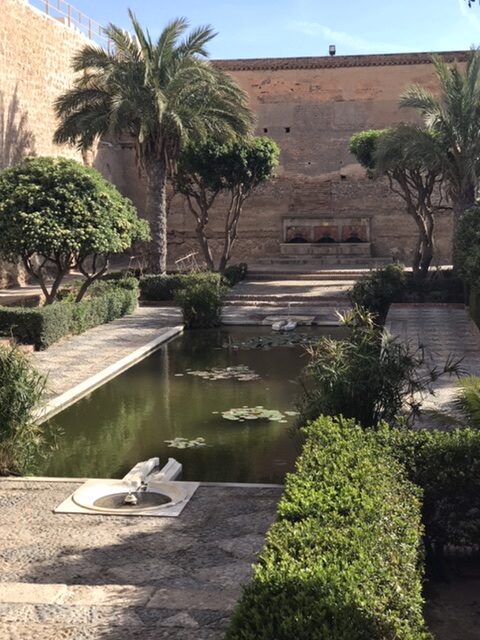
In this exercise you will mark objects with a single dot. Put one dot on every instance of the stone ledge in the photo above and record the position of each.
(335, 62)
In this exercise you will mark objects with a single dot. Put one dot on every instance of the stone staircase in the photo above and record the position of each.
(264, 298)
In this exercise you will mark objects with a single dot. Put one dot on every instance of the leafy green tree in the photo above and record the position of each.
(163, 93)
(235, 169)
(414, 176)
(57, 215)
(454, 117)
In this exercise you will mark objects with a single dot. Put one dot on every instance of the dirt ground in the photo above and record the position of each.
(453, 607)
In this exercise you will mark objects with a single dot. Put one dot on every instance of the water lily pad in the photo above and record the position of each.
(184, 443)
(271, 341)
(243, 373)
(253, 413)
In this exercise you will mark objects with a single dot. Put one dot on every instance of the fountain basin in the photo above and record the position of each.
(108, 496)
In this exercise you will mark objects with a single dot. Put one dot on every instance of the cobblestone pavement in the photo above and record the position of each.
(72, 360)
(445, 330)
(85, 577)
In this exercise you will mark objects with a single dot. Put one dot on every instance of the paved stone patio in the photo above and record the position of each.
(82, 577)
(444, 330)
(72, 360)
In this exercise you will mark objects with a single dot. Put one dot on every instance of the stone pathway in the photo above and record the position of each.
(75, 360)
(85, 577)
(445, 330)
(309, 301)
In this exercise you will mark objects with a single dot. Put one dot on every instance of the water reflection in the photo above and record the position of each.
(129, 418)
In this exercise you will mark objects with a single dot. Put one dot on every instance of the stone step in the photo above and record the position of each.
(284, 300)
(306, 272)
(324, 261)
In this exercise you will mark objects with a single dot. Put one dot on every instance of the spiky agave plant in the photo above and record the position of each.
(163, 94)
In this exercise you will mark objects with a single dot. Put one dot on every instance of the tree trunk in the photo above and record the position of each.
(205, 246)
(428, 246)
(156, 211)
(465, 201)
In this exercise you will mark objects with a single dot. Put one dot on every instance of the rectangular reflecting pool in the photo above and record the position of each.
(179, 395)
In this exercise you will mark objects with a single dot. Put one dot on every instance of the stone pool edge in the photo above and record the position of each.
(78, 391)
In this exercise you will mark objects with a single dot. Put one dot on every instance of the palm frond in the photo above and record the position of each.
(195, 42)
(417, 97)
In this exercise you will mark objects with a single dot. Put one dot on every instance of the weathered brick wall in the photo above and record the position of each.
(35, 55)
(311, 107)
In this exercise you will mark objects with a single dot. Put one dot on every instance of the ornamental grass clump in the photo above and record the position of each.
(21, 389)
(370, 375)
(342, 562)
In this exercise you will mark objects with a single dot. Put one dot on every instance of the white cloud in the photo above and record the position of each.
(342, 38)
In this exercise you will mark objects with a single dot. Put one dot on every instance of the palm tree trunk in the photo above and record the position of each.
(465, 201)
(156, 211)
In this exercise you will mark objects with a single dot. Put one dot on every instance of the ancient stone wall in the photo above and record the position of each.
(311, 107)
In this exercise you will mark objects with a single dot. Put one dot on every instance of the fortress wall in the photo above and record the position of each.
(311, 107)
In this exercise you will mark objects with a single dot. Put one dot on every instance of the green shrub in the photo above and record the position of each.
(158, 288)
(21, 388)
(68, 216)
(38, 326)
(45, 325)
(467, 246)
(369, 375)
(235, 273)
(342, 560)
(201, 299)
(446, 466)
(379, 289)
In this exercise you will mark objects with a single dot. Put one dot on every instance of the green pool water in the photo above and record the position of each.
(130, 418)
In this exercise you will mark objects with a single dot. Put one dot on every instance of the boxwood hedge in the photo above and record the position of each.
(161, 287)
(43, 326)
(446, 466)
(342, 560)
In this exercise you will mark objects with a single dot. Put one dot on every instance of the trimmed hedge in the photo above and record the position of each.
(159, 288)
(342, 560)
(446, 466)
(43, 326)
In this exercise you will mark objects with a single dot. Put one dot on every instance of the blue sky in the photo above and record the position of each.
(271, 28)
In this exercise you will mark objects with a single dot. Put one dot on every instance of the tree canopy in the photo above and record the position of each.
(236, 169)
(164, 93)
(57, 214)
(408, 157)
(453, 116)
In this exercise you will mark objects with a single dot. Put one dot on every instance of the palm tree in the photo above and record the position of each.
(164, 94)
(454, 118)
